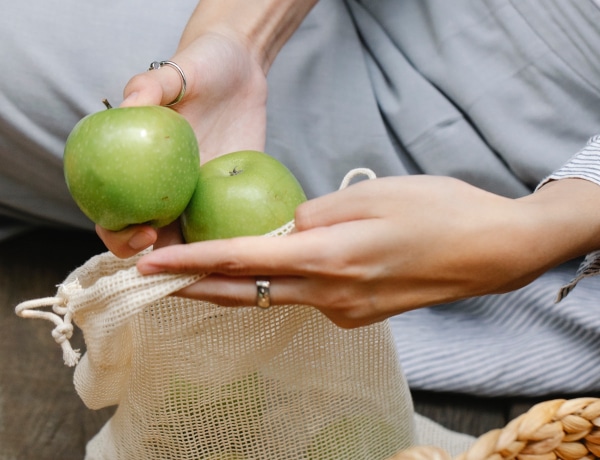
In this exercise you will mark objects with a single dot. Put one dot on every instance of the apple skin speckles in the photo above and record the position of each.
(133, 165)
(241, 194)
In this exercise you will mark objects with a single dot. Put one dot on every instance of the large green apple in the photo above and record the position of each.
(132, 165)
(240, 194)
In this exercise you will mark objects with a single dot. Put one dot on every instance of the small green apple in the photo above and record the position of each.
(357, 438)
(190, 406)
(240, 194)
(132, 165)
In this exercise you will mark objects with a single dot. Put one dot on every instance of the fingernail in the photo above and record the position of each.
(148, 269)
(140, 240)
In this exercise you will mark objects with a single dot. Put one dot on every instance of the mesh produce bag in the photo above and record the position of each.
(193, 380)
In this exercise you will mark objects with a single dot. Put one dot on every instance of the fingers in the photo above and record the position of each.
(242, 291)
(300, 253)
(127, 242)
(342, 306)
(235, 257)
(227, 291)
(136, 238)
(155, 87)
(334, 208)
(169, 235)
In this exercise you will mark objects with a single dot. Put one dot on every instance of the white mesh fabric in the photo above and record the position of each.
(194, 380)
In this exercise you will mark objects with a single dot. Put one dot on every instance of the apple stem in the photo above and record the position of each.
(107, 104)
(235, 171)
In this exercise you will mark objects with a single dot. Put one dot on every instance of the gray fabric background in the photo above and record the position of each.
(498, 93)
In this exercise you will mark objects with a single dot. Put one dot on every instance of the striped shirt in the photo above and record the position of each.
(585, 164)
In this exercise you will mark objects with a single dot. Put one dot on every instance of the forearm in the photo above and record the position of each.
(263, 25)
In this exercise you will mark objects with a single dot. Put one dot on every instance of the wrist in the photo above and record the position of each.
(566, 216)
(261, 26)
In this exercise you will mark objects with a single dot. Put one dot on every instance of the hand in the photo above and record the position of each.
(136, 238)
(225, 52)
(379, 248)
(225, 100)
(225, 103)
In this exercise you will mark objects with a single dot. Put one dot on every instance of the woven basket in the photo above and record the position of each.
(556, 429)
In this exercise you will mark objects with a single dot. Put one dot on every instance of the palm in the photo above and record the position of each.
(226, 98)
(225, 103)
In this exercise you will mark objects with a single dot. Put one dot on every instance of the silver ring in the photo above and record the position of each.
(263, 293)
(158, 64)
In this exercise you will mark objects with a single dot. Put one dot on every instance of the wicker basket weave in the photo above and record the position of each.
(555, 429)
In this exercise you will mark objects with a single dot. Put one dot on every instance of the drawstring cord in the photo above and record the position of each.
(62, 318)
(288, 228)
(355, 173)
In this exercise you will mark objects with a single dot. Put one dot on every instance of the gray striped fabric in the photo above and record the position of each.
(583, 165)
(521, 343)
(589, 267)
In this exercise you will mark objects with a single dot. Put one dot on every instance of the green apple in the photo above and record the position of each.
(132, 165)
(355, 438)
(194, 414)
(239, 194)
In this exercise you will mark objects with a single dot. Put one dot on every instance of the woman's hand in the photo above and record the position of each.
(225, 99)
(225, 52)
(224, 102)
(382, 247)
(136, 238)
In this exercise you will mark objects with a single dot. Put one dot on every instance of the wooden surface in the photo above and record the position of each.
(41, 416)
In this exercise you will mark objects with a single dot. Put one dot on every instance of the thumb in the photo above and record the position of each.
(129, 241)
(153, 87)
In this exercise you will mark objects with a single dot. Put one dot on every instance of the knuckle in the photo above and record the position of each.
(231, 264)
(349, 307)
(303, 216)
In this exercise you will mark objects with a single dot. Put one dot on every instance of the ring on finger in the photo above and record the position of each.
(158, 64)
(263, 293)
